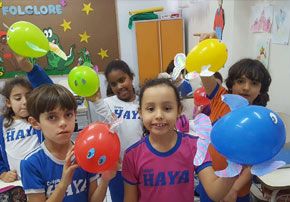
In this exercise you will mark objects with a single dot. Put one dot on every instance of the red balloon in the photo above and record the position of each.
(200, 98)
(96, 148)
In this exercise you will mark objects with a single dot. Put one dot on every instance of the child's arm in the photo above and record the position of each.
(130, 192)
(102, 109)
(209, 83)
(244, 178)
(36, 75)
(98, 192)
(215, 187)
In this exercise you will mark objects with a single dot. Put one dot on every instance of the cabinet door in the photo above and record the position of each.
(147, 37)
(171, 32)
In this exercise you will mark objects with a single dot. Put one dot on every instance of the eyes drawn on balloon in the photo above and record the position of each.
(101, 160)
(83, 81)
(12, 29)
(91, 153)
(274, 118)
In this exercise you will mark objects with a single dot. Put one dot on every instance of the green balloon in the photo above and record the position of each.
(83, 81)
(27, 40)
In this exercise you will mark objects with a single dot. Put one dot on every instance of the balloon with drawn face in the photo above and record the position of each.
(210, 54)
(27, 40)
(249, 135)
(97, 148)
(83, 81)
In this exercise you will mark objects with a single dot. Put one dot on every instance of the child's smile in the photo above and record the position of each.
(159, 110)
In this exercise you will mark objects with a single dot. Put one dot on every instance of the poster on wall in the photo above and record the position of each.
(262, 18)
(85, 31)
(262, 47)
(281, 25)
(219, 20)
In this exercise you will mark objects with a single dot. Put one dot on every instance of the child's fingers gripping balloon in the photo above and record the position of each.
(96, 148)
(210, 54)
(27, 40)
(83, 81)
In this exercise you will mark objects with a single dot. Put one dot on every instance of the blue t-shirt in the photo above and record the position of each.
(185, 89)
(41, 172)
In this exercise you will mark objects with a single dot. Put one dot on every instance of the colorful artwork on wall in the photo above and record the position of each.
(281, 25)
(75, 27)
(262, 18)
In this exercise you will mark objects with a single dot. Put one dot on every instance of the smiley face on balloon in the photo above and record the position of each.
(83, 81)
(97, 148)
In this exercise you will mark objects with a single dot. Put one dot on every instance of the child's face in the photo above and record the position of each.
(17, 101)
(159, 110)
(121, 84)
(246, 88)
(57, 125)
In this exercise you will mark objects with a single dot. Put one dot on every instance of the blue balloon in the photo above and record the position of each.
(249, 135)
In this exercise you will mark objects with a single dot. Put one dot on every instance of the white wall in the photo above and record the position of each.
(279, 60)
(240, 42)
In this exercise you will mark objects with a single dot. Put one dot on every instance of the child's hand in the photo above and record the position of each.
(23, 63)
(9, 176)
(68, 168)
(203, 36)
(110, 174)
(94, 97)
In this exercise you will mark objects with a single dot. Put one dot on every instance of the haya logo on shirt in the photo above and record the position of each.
(11, 134)
(165, 178)
(76, 187)
(126, 114)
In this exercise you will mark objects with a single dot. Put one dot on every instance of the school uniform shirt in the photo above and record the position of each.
(20, 139)
(41, 172)
(163, 176)
(218, 110)
(130, 130)
(184, 89)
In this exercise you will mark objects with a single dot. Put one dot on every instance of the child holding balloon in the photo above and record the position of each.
(250, 79)
(49, 173)
(17, 137)
(160, 166)
(124, 105)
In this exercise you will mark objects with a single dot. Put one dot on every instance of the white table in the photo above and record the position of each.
(4, 184)
(276, 181)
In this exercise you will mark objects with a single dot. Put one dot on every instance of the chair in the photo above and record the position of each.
(286, 120)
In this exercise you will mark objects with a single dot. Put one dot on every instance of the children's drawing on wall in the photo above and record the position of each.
(219, 20)
(281, 25)
(262, 50)
(262, 18)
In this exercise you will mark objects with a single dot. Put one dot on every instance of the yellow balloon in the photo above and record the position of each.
(27, 40)
(210, 52)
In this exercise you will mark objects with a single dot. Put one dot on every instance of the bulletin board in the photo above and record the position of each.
(85, 30)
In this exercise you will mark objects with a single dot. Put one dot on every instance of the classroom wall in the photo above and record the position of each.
(240, 42)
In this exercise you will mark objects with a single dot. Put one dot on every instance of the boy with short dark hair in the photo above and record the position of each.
(48, 172)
